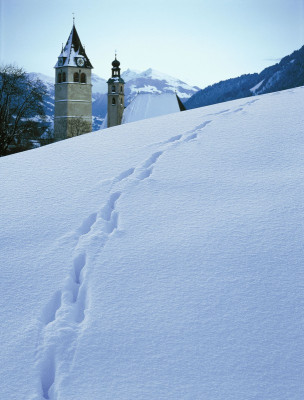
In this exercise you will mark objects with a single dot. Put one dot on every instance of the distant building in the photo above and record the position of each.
(73, 90)
(144, 105)
(73, 95)
(116, 96)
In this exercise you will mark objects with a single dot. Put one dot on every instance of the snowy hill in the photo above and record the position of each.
(149, 81)
(286, 74)
(158, 260)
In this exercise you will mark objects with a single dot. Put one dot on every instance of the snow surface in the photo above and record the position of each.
(147, 105)
(158, 260)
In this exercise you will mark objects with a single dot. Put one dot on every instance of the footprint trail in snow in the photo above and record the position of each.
(62, 319)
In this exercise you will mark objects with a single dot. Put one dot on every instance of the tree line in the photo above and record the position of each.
(23, 123)
(22, 113)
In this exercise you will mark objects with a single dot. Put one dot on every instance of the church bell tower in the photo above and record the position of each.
(116, 96)
(73, 90)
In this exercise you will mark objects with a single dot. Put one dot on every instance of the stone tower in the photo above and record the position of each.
(116, 96)
(73, 90)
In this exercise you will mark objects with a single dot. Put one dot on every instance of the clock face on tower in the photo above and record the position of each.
(80, 62)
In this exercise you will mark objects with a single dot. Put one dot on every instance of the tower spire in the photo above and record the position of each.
(73, 89)
(116, 102)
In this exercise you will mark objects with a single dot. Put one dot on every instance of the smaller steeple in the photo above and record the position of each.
(116, 95)
(115, 68)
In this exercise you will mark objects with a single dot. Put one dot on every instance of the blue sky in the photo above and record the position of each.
(198, 41)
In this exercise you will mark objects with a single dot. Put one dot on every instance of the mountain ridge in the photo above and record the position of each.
(286, 74)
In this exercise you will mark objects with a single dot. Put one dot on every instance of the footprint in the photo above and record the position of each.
(124, 174)
(49, 312)
(152, 160)
(106, 212)
(48, 373)
(112, 224)
(222, 112)
(81, 306)
(191, 137)
(79, 263)
(201, 126)
(174, 139)
(87, 224)
(145, 174)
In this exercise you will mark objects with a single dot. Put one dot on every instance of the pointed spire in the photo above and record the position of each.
(73, 19)
(180, 104)
(73, 51)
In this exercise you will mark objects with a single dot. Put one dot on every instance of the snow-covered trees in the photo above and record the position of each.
(21, 102)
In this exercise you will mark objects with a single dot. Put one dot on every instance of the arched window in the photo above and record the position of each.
(59, 78)
(113, 101)
(113, 89)
(83, 78)
(121, 101)
(63, 77)
(120, 89)
(76, 77)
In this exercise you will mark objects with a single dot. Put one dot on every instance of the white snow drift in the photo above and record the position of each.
(158, 260)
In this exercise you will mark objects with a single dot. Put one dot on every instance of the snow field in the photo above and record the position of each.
(159, 259)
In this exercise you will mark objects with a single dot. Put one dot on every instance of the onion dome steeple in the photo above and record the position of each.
(116, 72)
(115, 68)
(116, 96)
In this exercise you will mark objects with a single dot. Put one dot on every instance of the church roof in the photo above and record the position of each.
(72, 52)
(180, 104)
(116, 79)
(150, 105)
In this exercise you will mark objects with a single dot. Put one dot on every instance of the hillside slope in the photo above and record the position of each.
(286, 74)
(158, 260)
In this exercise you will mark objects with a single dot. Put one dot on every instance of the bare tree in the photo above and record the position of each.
(74, 126)
(21, 108)
(78, 126)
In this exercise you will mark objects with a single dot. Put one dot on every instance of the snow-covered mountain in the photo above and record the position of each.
(286, 74)
(149, 81)
(158, 260)
(152, 81)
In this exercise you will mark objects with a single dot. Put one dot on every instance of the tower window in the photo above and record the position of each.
(63, 77)
(113, 89)
(113, 101)
(83, 78)
(120, 89)
(76, 77)
(59, 77)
